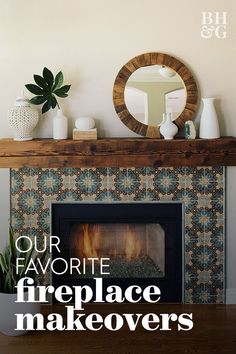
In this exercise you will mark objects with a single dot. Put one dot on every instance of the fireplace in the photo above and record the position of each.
(143, 242)
(132, 248)
(201, 191)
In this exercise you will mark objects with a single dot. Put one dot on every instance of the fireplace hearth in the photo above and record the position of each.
(143, 242)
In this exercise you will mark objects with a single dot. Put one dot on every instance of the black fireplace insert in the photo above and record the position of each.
(143, 241)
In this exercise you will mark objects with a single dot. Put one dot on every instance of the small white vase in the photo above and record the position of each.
(60, 126)
(8, 309)
(209, 125)
(168, 129)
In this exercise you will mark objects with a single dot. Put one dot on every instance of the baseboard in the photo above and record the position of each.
(231, 296)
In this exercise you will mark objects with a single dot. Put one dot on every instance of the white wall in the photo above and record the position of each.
(91, 39)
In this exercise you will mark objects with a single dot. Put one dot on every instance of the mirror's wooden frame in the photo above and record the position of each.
(148, 59)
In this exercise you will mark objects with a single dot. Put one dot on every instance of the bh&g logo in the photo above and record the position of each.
(214, 25)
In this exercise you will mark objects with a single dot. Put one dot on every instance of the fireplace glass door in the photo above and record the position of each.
(134, 250)
(143, 242)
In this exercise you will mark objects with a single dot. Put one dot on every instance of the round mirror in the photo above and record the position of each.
(150, 85)
(153, 90)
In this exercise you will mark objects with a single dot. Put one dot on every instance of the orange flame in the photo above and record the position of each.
(89, 243)
(132, 245)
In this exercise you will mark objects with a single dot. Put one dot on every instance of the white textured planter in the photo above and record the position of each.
(8, 309)
(23, 119)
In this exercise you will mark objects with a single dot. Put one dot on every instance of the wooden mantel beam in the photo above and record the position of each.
(118, 152)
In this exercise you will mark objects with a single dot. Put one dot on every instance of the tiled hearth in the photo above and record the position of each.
(201, 190)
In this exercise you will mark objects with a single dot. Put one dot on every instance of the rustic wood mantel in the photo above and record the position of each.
(118, 152)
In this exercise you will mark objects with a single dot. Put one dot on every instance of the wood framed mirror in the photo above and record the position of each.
(148, 86)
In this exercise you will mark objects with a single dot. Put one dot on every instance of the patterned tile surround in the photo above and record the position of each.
(200, 189)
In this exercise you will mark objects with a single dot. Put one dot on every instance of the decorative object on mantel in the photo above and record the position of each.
(60, 126)
(85, 123)
(189, 130)
(85, 134)
(23, 119)
(85, 129)
(46, 90)
(146, 68)
(209, 125)
(168, 129)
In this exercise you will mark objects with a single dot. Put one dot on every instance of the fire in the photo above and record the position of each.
(93, 245)
(90, 243)
(132, 245)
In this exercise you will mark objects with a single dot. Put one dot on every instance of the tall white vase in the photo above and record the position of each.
(209, 125)
(60, 126)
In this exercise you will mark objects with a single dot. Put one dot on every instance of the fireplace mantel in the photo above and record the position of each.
(118, 152)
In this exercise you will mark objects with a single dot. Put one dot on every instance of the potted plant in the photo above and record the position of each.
(8, 281)
(47, 88)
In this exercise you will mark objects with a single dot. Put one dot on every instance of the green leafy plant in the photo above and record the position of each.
(47, 88)
(8, 271)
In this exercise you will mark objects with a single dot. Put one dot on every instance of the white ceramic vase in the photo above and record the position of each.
(168, 129)
(60, 126)
(209, 125)
(8, 309)
(23, 119)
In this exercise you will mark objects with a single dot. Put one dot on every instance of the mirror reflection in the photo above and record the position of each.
(153, 90)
